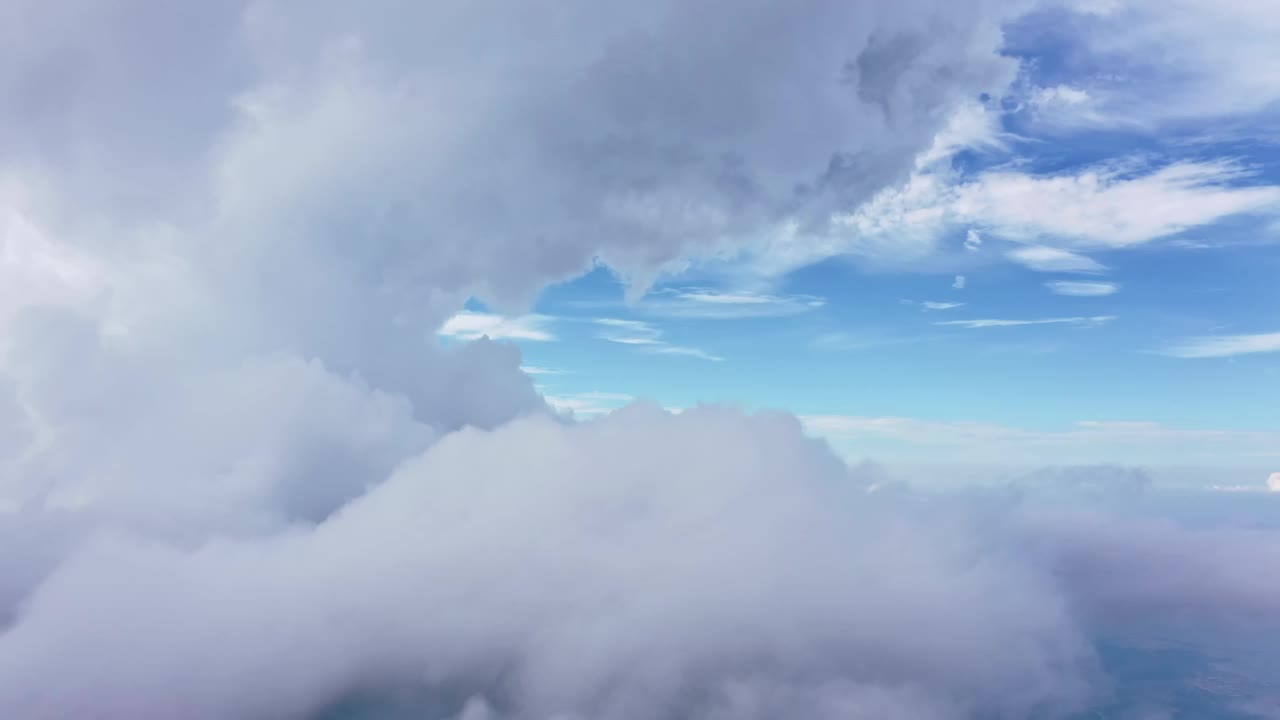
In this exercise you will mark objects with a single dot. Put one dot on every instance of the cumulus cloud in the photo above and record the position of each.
(241, 477)
(466, 573)
(958, 283)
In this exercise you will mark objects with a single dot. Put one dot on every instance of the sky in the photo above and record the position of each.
(738, 359)
(1080, 266)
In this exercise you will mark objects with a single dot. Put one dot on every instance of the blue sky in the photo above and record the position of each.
(1083, 268)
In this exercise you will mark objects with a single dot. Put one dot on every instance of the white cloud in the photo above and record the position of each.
(272, 490)
(1082, 289)
(972, 240)
(714, 304)
(1224, 346)
(989, 323)
(648, 337)
(629, 332)
(1216, 60)
(1048, 259)
(1273, 482)
(1119, 204)
(1084, 441)
(688, 352)
(588, 404)
(1110, 206)
(535, 370)
(469, 325)
(934, 305)
(958, 283)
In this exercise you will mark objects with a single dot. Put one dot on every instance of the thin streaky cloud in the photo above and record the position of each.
(1224, 346)
(995, 322)
(1082, 289)
(469, 325)
(1048, 259)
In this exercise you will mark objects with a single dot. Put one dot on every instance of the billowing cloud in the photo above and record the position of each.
(242, 478)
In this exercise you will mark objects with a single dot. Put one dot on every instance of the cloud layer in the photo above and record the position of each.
(241, 478)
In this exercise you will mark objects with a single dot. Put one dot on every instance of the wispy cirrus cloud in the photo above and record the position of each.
(647, 337)
(713, 304)
(469, 325)
(1082, 289)
(933, 304)
(1215, 346)
(1093, 321)
(1042, 258)
(535, 370)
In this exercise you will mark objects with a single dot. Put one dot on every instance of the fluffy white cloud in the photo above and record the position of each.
(536, 549)
(241, 478)
(958, 283)
(596, 570)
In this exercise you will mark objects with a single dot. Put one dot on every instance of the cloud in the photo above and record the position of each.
(705, 303)
(958, 283)
(1082, 289)
(972, 240)
(1123, 203)
(537, 548)
(468, 325)
(1224, 346)
(535, 370)
(1202, 48)
(688, 352)
(990, 323)
(648, 338)
(1273, 482)
(906, 438)
(934, 305)
(241, 476)
(406, 591)
(588, 404)
(1047, 259)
